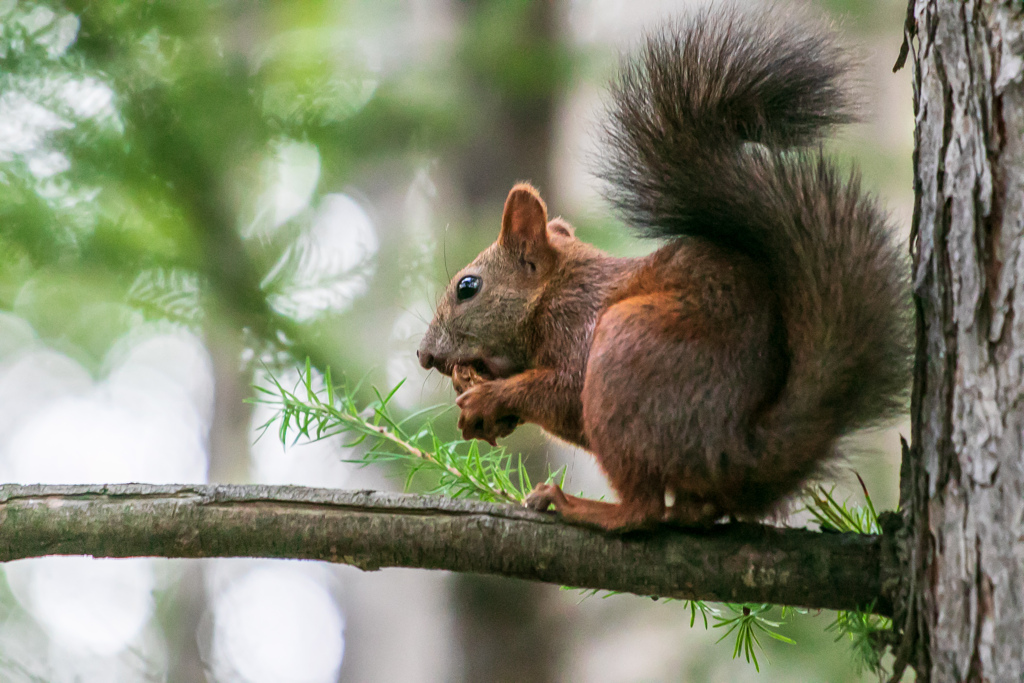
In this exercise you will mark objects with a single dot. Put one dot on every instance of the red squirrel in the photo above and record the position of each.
(713, 377)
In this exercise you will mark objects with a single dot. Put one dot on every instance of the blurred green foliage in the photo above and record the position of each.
(133, 175)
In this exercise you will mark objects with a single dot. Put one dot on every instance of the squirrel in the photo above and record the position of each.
(713, 377)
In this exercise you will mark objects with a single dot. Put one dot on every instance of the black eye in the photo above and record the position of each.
(467, 287)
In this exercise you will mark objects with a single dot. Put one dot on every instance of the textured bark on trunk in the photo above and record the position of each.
(963, 484)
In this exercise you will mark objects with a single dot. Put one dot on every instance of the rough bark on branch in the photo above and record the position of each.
(733, 563)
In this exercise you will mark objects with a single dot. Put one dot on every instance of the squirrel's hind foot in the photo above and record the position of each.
(610, 517)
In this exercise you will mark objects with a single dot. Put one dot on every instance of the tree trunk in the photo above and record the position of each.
(963, 488)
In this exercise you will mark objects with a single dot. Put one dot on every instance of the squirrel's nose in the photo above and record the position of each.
(426, 358)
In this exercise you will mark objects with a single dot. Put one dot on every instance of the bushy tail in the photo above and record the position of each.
(708, 138)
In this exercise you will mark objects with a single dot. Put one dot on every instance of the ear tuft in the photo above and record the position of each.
(559, 226)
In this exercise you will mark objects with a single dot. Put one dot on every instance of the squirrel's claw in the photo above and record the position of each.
(544, 496)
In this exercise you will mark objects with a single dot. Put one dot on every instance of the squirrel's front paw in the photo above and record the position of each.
(484, 416)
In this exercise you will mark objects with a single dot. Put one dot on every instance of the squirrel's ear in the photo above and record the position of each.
(524, 227)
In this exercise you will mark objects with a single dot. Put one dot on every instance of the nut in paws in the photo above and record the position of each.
(465, 377)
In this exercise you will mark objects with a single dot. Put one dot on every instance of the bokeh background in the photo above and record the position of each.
(194, 192)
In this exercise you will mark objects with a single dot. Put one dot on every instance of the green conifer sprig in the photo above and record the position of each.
(317, 410)
(864, 630)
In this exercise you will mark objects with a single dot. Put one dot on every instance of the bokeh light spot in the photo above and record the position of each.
(277, 625)
(85, 604)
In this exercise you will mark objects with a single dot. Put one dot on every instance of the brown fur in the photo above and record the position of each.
(720, 370)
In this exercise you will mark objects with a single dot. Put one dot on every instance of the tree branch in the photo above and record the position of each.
(370, 530)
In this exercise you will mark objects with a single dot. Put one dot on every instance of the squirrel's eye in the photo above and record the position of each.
(467, 287)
